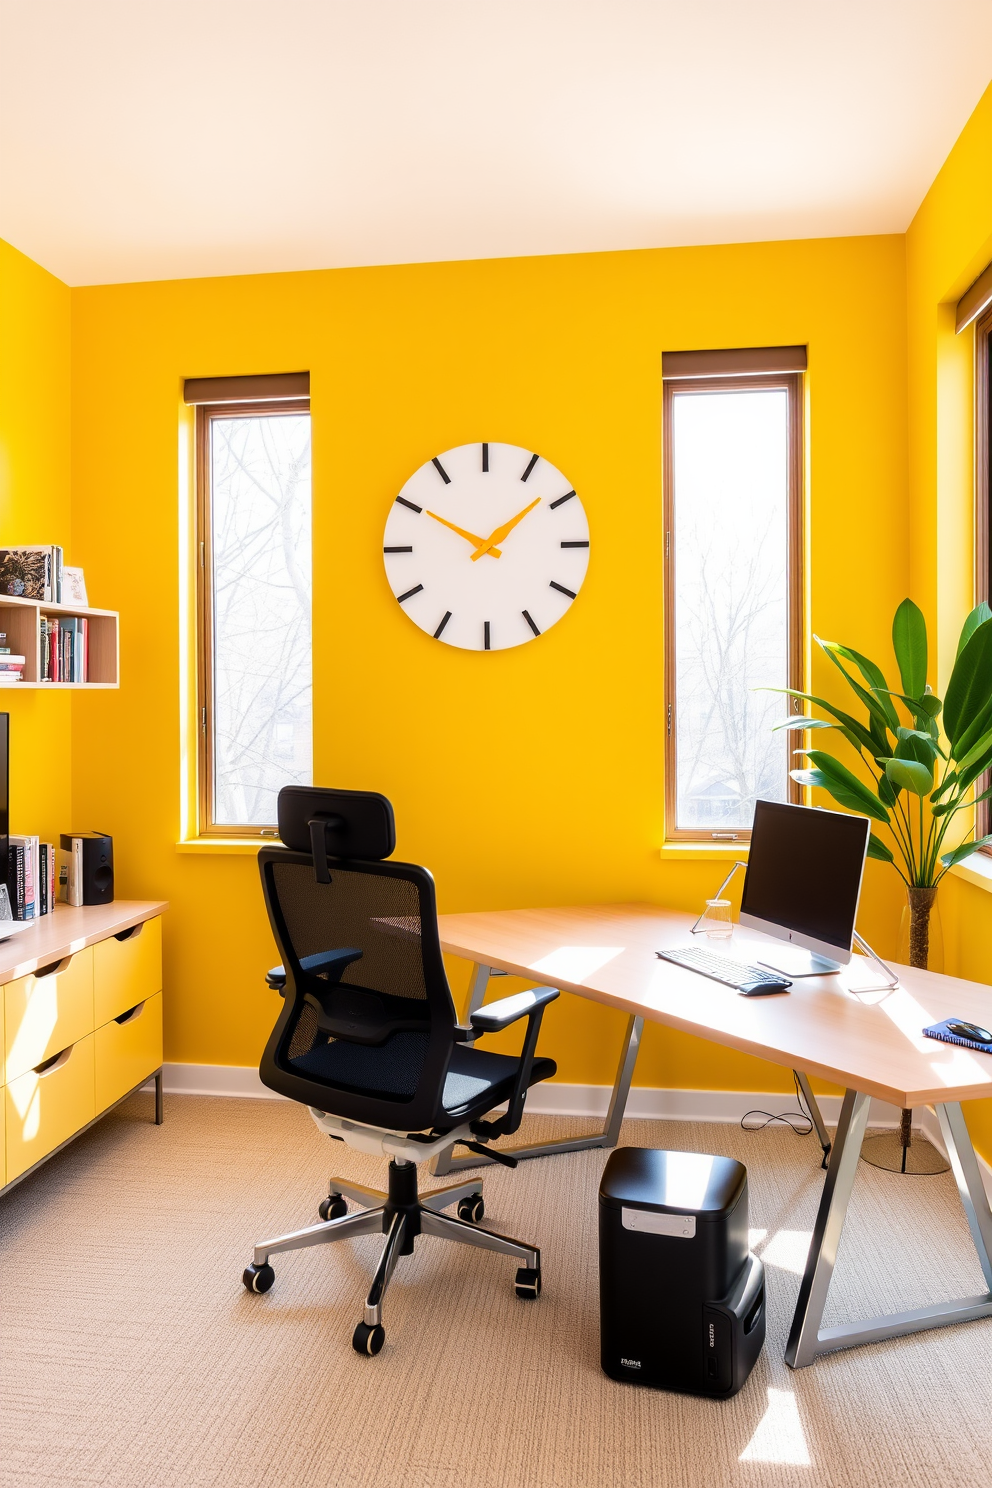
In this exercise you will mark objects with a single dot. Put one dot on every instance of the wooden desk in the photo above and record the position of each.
(870, 1041)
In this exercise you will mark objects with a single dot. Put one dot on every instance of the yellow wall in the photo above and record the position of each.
(948, 244)
(523, 777)
(35, 318)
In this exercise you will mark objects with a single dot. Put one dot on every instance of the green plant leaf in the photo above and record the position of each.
(872, 674)
(888, 793)
(978, 767)
(980, 725)
(913, 745)
(964, 851)
(878, 849)
(970, 687)
(878, 708)
(978, 749)
(978, 617)
(930, 702)
(909, 642)
(846, 789)
(948, 808)
(800, 721)
(864, 738)
(911, 775)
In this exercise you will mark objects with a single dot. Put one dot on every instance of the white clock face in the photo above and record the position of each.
(486, 546)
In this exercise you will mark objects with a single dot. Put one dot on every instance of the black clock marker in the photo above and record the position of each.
(485, 636)
(403, 502)
(404, 550)
(560, 587)
(416, 590)
(533, 461)
(485, 459)
(575, 544)
(441, 471)
(567, 497)
(530, 622)
(444, 620)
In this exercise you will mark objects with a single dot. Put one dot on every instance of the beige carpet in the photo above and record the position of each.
(132, 1356)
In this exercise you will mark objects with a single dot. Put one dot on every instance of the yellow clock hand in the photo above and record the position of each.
(484, 544)
(499, 533)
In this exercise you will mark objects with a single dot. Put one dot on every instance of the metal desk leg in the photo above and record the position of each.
(444, 1163)
(807, 1339)
(159, 1102)
(816, 1115)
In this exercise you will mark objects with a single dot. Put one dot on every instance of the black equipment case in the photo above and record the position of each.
(682, 1300)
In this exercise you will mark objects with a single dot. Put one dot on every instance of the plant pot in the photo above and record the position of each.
(921, 939)
(920, 943)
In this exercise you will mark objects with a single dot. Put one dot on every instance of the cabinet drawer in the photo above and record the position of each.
(128, 1052)
(45, 1014)
(45, 1107)
(126, 971)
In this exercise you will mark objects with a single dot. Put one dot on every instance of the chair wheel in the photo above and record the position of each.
(258, 1278)
(471, 1208)
(333, 1207)
(527, 1283)
(366, 1340)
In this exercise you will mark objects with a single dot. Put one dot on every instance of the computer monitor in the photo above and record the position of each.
(803, 883)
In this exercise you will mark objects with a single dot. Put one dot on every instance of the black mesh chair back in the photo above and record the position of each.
(367, 1028)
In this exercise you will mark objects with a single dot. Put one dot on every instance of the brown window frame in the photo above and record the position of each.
(205, 412)
(792, 383)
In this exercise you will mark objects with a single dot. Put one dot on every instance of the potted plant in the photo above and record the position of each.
(923, 756)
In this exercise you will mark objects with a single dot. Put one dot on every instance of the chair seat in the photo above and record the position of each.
(477, 1080)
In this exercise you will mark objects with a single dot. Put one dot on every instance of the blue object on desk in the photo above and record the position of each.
(957, 1031)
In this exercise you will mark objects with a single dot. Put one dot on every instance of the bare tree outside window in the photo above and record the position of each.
(258, 717)
(731, 608)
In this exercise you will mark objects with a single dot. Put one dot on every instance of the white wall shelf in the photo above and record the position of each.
(21, 619)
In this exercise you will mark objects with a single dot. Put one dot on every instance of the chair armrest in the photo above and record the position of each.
(334, 963)
(500, 1015)
(496, 1016)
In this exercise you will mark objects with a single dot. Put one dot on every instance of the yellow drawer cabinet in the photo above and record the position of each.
(126, 970)
(46, 1107)
(81, 1024)
(46, 1012)
(128, 1050)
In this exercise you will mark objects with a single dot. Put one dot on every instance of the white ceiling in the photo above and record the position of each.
(153, 139)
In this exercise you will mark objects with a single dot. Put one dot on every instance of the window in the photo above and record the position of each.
(733, 592)
(254, 603)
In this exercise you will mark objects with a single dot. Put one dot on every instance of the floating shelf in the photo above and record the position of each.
(21, 619)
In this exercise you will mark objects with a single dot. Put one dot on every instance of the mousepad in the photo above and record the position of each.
(941, 1031)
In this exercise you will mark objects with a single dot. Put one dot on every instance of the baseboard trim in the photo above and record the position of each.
(552, 1098)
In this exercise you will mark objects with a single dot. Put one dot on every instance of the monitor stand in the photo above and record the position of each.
(793, 961)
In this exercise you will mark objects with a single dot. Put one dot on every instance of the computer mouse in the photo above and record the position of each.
(762, 989)
(971, 1031)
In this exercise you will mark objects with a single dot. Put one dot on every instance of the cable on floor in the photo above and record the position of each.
(801, 1122)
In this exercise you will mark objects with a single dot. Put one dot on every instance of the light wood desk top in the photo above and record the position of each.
(870, 1041)
(69, 929)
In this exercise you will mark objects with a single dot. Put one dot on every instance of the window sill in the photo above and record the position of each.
(976, 870)
(705, 852)
(243, 846)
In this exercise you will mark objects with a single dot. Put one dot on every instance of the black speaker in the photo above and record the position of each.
(91, 867)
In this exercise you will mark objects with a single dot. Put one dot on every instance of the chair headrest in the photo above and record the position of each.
(350, 824)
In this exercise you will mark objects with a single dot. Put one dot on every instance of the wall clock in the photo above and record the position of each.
(486, 546)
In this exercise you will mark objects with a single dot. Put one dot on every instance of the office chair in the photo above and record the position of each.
(368, 1038)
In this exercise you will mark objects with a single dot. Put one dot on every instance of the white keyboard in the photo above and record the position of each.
(731, 973)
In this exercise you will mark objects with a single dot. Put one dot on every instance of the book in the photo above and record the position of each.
(15, 879)
(28, 848)
(46, 878)
(27, 573)
(71, 872)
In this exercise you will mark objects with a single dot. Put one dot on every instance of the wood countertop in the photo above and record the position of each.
(868, 1040)
(67, 930)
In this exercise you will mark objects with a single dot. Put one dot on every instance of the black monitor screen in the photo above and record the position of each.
(804, 870)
